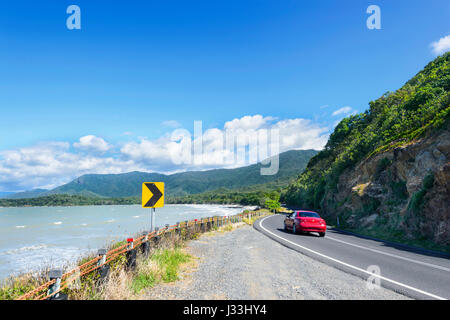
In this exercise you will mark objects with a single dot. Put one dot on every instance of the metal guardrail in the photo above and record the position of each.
(58, 281)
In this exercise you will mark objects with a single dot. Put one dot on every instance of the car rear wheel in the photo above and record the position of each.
(321, 234)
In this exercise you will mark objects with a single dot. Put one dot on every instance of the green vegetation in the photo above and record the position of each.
(66, 200)
(272, 204)
(162, 266)
(420, 107)
(16, 287)
(418, 199)
(221, 196)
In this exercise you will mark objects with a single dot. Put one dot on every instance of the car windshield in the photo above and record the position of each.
(309, 214)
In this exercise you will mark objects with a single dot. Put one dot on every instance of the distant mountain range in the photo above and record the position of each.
(6, 194)
(291, 164)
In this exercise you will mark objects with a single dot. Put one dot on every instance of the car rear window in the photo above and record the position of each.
(308, 214)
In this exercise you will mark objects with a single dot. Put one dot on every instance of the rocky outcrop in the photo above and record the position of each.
(406, 189)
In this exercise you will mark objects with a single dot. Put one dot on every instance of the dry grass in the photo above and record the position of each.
(252, 220)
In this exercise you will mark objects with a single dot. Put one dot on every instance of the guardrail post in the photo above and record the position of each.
(103, 271)
(145, 247)
(202, 225)
(178, 229)
(102, 260)
(55, 274)
(166, 228)
(156, 238)
(131, 255)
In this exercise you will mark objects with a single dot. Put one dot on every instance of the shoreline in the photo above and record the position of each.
(56, 255)
(26, 281)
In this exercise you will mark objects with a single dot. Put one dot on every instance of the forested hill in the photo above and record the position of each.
(387, 168)
(291, 164)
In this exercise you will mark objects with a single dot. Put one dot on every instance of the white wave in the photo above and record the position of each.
(111, 220)
(136, 216)
(57, 222)
(27, 248)
(20, 227)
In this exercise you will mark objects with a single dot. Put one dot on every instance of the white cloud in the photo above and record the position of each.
(441, 46)
(248, 122)
(293, 134)
(92, 143)
(47, 165)
(343, 110)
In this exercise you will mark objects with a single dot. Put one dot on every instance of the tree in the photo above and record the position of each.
(272, 205)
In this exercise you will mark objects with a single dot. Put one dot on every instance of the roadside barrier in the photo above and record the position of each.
(58, 281)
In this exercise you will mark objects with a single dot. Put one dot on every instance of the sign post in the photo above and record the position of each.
(153, 197)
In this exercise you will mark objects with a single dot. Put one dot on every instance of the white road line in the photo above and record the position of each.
(351, 266)
(391, 255)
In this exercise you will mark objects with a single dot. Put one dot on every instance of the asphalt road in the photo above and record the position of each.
(419, 274)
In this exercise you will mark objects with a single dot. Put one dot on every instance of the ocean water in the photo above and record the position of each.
(33, 238)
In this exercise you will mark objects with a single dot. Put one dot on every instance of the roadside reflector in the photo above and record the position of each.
(130, 240)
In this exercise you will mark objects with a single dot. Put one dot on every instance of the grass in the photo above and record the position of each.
(252, 220)
(14, 287)
(162, 266)
(228, 227)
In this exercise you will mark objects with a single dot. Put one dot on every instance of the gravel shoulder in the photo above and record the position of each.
(245, 264)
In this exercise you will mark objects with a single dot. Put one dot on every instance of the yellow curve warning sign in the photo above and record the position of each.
(153, 194)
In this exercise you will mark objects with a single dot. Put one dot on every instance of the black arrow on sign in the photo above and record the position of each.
(157, 194)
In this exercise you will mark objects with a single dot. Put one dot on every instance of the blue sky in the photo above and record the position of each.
(137, 69)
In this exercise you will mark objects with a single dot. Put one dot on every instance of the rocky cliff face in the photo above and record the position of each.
(404, 190)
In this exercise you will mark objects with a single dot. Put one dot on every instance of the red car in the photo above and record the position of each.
(305, 221)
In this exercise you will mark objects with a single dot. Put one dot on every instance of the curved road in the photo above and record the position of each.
(417, 273)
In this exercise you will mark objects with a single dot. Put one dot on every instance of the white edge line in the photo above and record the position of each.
(392, 255)
(351, 266)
